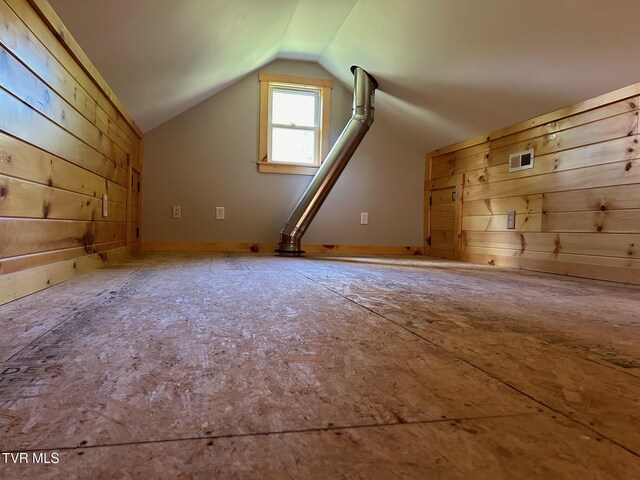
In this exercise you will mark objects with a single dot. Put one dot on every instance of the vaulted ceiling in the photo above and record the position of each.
(448, 69)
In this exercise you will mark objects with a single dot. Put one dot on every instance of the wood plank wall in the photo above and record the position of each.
(65, 141)
(577, 210)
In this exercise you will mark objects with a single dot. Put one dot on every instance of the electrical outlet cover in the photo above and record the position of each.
(511, 219)
(104, 205)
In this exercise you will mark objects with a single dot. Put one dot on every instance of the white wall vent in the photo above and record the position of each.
(521, 160)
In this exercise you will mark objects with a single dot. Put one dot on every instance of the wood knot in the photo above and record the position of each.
(599, 228)
(491, 262)
(632, 105)
(603, 208)
(87, 240)
(45, 210)
(627, 167)
(254, 248)
(64, 115)
(3, 192)
(328, 246)
(50, 182)
(630, 150)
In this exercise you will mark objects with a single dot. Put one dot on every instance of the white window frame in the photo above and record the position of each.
(269, 82)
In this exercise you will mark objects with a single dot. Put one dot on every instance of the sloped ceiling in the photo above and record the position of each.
(448, 69)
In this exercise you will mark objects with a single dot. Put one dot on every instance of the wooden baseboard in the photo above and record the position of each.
(270, 247)
(595, 272)
(25, 282)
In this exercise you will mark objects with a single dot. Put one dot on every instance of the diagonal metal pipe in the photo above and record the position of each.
(337, 159)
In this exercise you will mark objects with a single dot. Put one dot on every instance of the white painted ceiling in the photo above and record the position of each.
(448, 69)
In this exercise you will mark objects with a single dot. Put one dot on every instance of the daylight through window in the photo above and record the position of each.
(294, 123)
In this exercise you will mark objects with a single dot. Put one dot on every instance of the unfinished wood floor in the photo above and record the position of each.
(253, 366)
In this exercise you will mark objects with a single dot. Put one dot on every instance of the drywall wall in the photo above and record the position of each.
(206, 157)
(577, 209)
(64, 143)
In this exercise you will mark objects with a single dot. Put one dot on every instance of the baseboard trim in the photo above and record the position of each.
(583, 270)
(25, 282)
(270, 247)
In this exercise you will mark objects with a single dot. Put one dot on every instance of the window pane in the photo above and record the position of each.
(293, 146)
(297, 107)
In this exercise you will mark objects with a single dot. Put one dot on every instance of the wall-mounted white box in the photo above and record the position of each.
(521, 160)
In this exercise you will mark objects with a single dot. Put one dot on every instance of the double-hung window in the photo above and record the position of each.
(294, 123)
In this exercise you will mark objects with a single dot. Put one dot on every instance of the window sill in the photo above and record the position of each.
(287, 168)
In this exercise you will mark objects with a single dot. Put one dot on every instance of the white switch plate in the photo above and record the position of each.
(104, 205)
(364, 218)
(177, 211)
(219, 213)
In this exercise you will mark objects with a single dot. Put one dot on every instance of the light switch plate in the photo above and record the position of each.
(219, 213)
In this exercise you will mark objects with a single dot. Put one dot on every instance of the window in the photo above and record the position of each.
(294, 123)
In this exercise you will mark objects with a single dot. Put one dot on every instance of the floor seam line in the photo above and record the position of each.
(468, 362)
(279, 432)
(66, 319)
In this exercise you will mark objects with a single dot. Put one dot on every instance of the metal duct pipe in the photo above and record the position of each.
(328, 173)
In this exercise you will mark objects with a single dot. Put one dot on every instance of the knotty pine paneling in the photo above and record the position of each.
(577, 210)
(65, 143)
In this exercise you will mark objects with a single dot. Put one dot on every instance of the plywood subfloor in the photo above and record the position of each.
(253, 366)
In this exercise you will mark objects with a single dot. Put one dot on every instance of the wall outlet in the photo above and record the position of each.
(364, 218)
(511, 219)
(104, 205)
(177, 211)
(219, 213)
